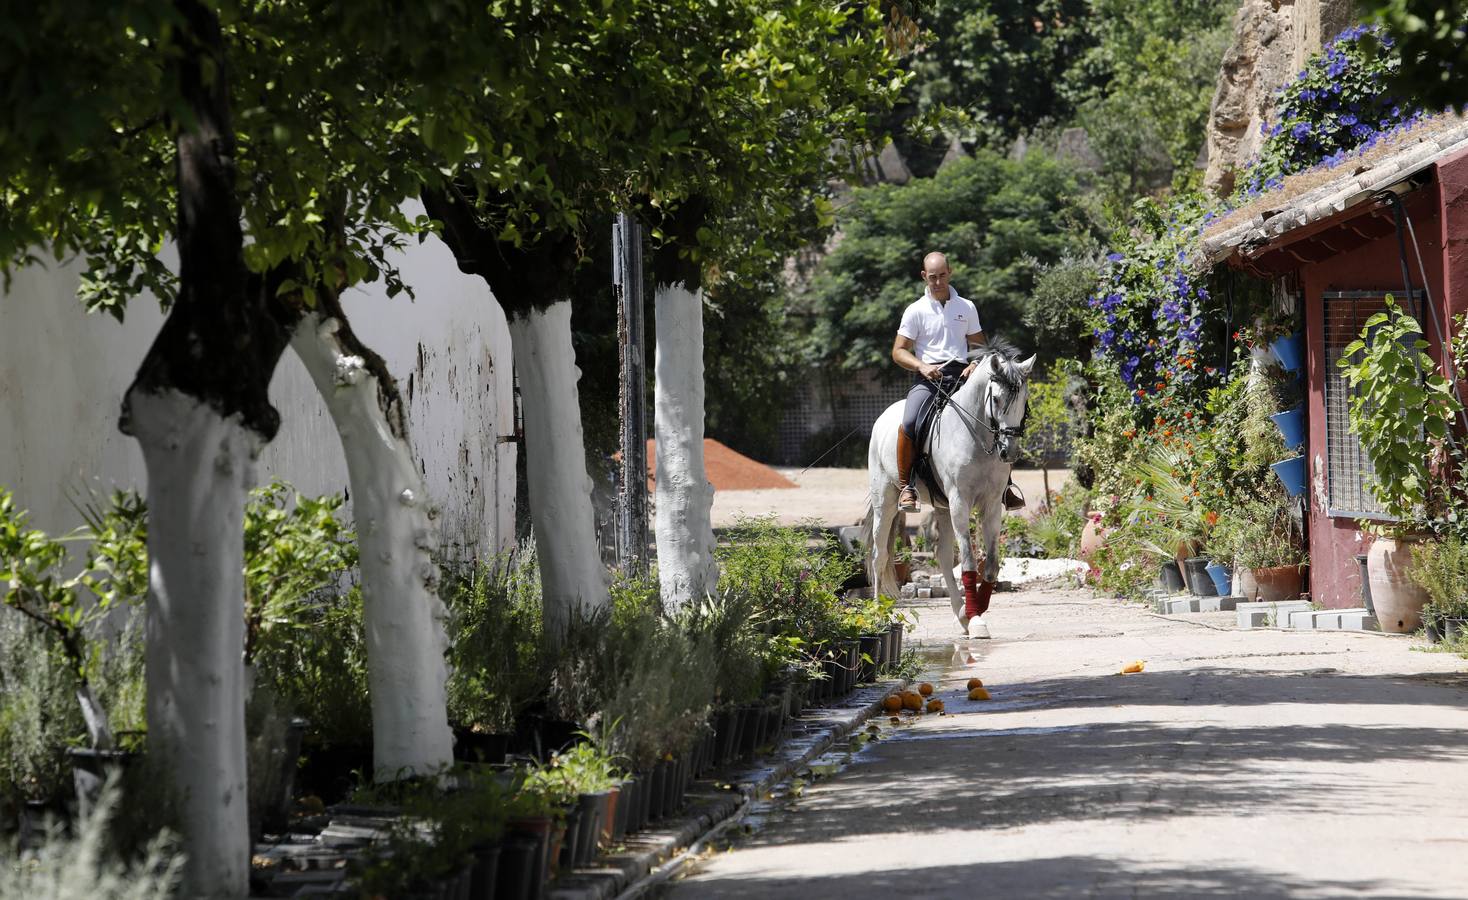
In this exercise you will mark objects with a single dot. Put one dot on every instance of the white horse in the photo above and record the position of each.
(970, 449)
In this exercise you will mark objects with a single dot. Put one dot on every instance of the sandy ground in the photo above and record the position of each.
(837, 496)
(1239, 764)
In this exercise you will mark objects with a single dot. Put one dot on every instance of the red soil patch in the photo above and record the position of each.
(726, 469)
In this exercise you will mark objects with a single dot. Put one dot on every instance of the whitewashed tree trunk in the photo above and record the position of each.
(200, 466)
(397, 535)
(685, 537)
(571, 572)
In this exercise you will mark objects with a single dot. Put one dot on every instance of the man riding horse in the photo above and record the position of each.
(933, 340)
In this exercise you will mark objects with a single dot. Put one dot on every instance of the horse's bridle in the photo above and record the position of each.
(994, 425)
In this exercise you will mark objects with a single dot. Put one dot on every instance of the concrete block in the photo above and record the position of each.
(924, 593)
(1218, 604)
(1357, 620)
(1267, 615)
(1328, 620)
(1302, 619)
(1178, 605)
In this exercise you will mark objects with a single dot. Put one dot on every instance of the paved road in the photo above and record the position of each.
(1251, 764)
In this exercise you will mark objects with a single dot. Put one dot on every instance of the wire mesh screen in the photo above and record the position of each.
(1347, 467)
(823, 411)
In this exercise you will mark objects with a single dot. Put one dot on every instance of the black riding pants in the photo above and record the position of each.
(921, 395)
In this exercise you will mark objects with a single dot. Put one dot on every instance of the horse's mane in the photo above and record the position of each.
(1009, 374)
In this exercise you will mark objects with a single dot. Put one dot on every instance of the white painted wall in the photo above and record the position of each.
(63, 374)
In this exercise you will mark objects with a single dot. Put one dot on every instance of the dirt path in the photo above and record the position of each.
(837, 497)
(1257, 764)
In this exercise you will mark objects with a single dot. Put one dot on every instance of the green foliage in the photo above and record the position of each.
(320, 674)
(1000, 63)
(1147, 117)
(81, 866)
(1432, 37)
(728, 626)
(791, 579)
(40, 715)
(1401, 407)
(1258, 534)
(294, 551)
(35, 566)
(998, 220)
(1049, 414)
(1056, 314)
(1057, 531)
(496, 651)
(1440, 567)
(662, 695)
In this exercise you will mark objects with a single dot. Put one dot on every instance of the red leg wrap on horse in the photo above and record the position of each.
(971, 594)
(986, 589)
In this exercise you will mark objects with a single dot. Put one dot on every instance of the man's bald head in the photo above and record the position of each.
(935, 275)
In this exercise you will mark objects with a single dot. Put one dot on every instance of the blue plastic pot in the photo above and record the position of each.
(1291, 424)
(1290, 351)
(1291, 473)
(1223, 578)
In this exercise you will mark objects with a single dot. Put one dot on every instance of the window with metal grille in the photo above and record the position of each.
(1347, 468)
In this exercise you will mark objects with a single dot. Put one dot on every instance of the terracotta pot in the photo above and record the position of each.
(1278, 584)
(1245, 585)
(1397, 599)
(903, 571)
(1093, 536)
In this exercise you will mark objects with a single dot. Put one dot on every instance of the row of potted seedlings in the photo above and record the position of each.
(506, 830)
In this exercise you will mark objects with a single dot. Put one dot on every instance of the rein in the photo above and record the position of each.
(993, 425)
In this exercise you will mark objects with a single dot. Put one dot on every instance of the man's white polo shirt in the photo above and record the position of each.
(939, 331)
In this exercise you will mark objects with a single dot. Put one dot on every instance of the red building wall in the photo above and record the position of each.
(1335, 580)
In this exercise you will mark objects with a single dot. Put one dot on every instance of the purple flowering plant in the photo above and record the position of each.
(1147, 314)
(1337, 105)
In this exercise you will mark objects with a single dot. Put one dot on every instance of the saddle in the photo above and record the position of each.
(921, 469)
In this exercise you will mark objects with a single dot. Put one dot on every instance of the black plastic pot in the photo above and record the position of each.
(1200, 582)
(475, 746)
(1433, 627)
(590, 806)
(899, 631)
(852, 663)
(656, 784)
(328, 771)
(726, 735)
(571, 842)
(1172, 577)
(90, 769)
(529, 884)
(670, 787)
(1454, 628)
(749, 730)
(869, 654)
(275, 816)
(33, 815)
(1365, 585)
(482, 883)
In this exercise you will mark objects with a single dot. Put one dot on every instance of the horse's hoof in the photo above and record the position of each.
(962, 624)
(978, 628)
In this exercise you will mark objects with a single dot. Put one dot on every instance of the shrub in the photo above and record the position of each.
(496, 655)
(1441, 568)
(79, 867)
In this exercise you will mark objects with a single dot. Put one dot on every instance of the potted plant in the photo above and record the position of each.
(1440, 567)
(1261, 541)
(1400, 408)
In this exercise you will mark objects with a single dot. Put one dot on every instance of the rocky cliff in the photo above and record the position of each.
(1272, 39)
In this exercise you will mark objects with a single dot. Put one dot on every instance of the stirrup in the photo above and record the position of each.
(1013, 498)
(907, 499)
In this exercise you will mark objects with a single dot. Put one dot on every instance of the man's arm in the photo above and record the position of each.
(902, 355)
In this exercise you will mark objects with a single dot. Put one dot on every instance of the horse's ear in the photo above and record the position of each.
(994, 363)
(1027, 365)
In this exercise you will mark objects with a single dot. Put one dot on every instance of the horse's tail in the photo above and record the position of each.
(868, 545)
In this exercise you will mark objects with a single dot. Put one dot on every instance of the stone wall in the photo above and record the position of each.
(1271, 42)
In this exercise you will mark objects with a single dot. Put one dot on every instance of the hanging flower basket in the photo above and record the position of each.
(1290, 351)
(1291, 473)
(1291, 425)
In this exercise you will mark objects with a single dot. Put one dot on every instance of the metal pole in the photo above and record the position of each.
(632, 500)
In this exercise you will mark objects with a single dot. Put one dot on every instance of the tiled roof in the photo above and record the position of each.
(1358, 180)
